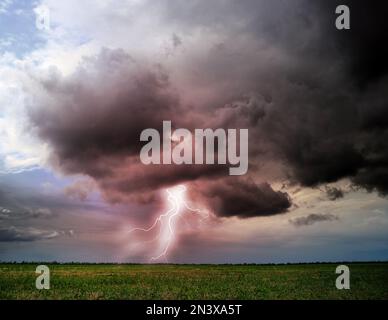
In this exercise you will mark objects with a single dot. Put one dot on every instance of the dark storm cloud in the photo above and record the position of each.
(101, 110)
(237, 197)
(312, 219)
(302, 27)
(97, 115)
(375, 179)
(327, 119)
(315, 112)
(332, 124)
(362, 46)
(95, 131)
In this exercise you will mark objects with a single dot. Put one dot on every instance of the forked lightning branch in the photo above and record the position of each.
(167, 221)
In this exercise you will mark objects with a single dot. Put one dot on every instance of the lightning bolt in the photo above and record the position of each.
(167, 221)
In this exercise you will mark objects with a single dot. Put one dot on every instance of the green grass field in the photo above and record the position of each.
(110, 281)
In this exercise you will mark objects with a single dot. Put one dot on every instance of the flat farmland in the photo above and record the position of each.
(160, 282)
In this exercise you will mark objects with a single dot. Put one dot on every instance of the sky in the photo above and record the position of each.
(76, 94)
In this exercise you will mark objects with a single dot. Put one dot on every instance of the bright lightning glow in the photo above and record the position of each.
(167, 221)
